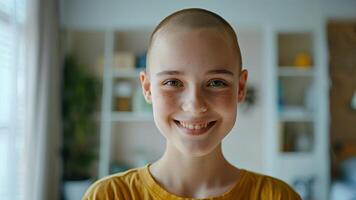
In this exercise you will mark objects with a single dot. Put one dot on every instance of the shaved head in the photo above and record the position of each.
(191, 19)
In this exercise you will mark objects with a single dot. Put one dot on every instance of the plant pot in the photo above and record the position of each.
(75, 190)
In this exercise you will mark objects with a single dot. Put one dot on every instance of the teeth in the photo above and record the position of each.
(194, 126)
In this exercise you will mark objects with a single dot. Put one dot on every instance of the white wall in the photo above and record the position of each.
(245, 145)
(135, 13)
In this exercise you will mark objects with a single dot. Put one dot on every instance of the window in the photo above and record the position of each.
(12, 97)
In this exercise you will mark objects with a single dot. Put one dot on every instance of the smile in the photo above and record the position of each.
(194, 128)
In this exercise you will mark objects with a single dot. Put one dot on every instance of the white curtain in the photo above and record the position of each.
(29, 100)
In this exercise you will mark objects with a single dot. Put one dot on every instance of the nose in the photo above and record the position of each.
(194, 101)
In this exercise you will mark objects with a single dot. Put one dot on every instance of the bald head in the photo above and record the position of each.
(192, 19)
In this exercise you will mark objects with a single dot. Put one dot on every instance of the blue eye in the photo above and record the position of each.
(173, 83)
(217, 83)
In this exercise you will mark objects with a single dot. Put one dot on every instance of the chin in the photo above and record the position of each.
(197, 150)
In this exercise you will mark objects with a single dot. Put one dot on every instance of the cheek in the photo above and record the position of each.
(224, 100)
(164, 105)
(165, 101)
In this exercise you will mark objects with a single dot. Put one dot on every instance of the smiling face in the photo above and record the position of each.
(194, 84)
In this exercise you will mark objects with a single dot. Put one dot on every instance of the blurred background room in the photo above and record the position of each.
(71, 108)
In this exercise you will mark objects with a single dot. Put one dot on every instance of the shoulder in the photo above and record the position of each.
(116, 186)
(270, 188)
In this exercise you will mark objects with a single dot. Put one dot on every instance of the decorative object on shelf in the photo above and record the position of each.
(281, 102)
(302, 60)
(141, 61)
(303, 142)
(296, 137)
(295, 49)
(123, 96)
(80, 94)
(250, 99)
(124, 60)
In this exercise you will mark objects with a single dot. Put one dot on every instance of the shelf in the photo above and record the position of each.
(127, 73)
(295, 71)
(296, 93)
(296, 137)
(295, 113)
(131, 116)
(295, 49)
(296, 156)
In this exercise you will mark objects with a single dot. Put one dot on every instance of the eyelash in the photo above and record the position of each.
(169, 83)
(224, 84)
(178, 83)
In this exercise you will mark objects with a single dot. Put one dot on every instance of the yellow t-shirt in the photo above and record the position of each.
(138, 184)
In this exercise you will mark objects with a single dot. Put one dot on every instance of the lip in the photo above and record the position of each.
(194, 132)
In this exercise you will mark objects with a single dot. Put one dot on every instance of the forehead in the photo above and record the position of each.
(201, 48)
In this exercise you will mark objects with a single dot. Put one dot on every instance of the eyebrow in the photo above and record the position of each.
(220, 71)
(214, 71)
(169, 72)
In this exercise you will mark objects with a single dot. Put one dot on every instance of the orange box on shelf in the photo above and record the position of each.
(124, 60)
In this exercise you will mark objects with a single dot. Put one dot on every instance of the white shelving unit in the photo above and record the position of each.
(297, 150)
(136, 42)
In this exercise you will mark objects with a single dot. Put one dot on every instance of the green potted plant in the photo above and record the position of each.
(80, 91)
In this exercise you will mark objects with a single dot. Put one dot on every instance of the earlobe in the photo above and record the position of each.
(148, 97)
(242, 88)
(146, 86)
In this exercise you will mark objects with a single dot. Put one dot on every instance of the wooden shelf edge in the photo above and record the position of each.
(294, 71)
(134, 73)
(131, 116)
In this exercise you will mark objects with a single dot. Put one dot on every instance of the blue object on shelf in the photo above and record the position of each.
(281, 102)
(141, 61)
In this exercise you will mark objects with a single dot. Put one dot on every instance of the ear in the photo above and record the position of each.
(146, 86)
(242, 88)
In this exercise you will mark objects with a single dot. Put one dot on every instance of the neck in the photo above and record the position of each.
(185, 174)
